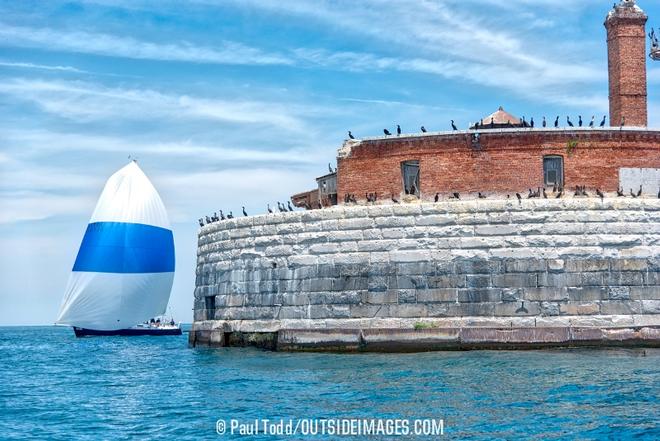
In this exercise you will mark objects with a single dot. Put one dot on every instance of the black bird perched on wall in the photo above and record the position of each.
(602, 123)
(560, 194)
(350, 135)
(288, 203)
(386, 132)
(330, 168)
(544, 123)
(279, 207)
(437, 197)
(230, 215)
(455, 195)
(524, 123)
(557, 122)
(633, 194)
(600, 194)
(423, 129)
(580, 120)
(395, 200)
(481, 196)
(201, 222)
(208, 221)
(568, 120)
(531, 122)
(244, 212)
(530, 194)
(492, 123)
(222, 215)
(519, 198)
(591, 124)
(639, 192)
(453, 126)
(619, 193)
(270, 210)
(398, 130)
(545, 195)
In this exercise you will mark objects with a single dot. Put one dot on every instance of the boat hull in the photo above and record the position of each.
(130, 332)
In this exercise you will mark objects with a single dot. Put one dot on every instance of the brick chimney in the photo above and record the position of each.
(626, 53)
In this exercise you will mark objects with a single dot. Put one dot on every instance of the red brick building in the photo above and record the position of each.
(505, 157)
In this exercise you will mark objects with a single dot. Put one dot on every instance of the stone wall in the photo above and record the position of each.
(478, 263)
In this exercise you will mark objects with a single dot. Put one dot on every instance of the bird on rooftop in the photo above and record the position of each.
(244, 212)
(423, 129)
(386, 132)
(545, 124)
(288, 203)
(455, 195)
(492, 123)
(545, 195)
(350, 135)
(600, 194)
(557, 122)
(222, 215)
(208, 221)
(519, 198)
(560, 194)
(580, 120)
(270, 210)
(639, 192)
(633, 194)
(568, 120)
(279, 207)
(453, 126)
(531, 122)
(201, 222)
(230, 215)
(602, 123)
(481, 196)
(330, 168)
(523, 122)
(395, 200)
(591, 124)
(398, 130)
(437, 197)
(619, 193)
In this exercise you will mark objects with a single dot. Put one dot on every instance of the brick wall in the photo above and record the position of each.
(626, 49)
(509, 161)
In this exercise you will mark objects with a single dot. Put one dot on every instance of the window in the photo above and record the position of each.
(553, 170)
(210, 307)
(410, 172)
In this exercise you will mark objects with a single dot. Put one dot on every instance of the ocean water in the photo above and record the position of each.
(56, 387)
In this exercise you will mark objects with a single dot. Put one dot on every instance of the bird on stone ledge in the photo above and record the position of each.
(437, 197)
(519, 198)
(600, 194)
(557, 122)
(398, 130)
(244, 212)
(423, 129)
(591, 124)
(350, 135)
(386, 132)
(453, 126)
(568, 120)
(602, 123)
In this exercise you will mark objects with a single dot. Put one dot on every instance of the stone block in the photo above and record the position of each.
(651, 306)
(618, 293)
(448, 281)
(407, 295)
(394, 221)
(410, 256)
(349, 283)
(559, 280)
(329, 311)
(525, 265)
(495, 230)
(437, 295)
(409, 282)
(338, 298)
(477, 266)
(477, 295)
(585, 294)
(416, 268)
(409, 310)
(586, 265)
(620, 307)
(645, 292)
(512, 280)
(556, 265)
(592, 279)
(549, 308)
(477, 281)
(434, 220)
(629, 264)
(512, 294)
(369, 311)
(514, 309)
(578, 308)
(377, 283)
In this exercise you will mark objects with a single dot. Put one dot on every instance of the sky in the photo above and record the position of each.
(231, 103)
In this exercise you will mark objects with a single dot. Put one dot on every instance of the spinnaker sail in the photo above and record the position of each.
(124, 270)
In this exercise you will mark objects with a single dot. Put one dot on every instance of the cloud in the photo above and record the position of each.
(41, 67)
(228, 52)
(84, 102)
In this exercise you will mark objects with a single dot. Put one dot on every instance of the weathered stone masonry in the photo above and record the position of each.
(350, 276)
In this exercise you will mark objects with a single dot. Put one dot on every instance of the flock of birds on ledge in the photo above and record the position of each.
(371, 198)
(523, 123)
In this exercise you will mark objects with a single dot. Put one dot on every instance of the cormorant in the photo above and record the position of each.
(230, 215)
(288, 203)
(481, 196)
(270, 210)
(580, 120)
(602, 123)
(244, 212)
(519, 198)
(423, 129)
(633, 194)
(208, 221)
(455, 195)
(531, 122)
(619, 193)
(279, 207)
(330, 168)
(395, 200)
(557, 122)
(492, 123)
(591, 124)
(201, 222)
(545, 195)
(386, 132)
(453, 126)
(437, 197)
(559, 195)
(568, 120)
(545, 124)
(639, 192)
(600, 194)
(398, 130)
(222, 215)
(350, 135)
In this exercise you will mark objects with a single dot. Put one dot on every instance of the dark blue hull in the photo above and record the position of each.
(130, 332)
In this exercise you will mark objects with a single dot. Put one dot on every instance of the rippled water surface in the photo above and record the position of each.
(54, 386)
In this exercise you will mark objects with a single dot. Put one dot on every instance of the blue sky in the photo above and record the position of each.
(243, 102)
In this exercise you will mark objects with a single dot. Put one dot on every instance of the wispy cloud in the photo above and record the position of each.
(41, 67)
(229, 52)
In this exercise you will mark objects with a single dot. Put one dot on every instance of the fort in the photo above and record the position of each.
(404, 255)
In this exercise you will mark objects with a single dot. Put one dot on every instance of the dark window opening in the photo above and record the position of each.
(210, 307)
(410, 173)
(553, 170)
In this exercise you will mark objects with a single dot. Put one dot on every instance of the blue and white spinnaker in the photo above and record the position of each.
(125, 266)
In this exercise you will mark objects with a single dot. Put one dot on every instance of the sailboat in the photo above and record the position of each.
(123, 273)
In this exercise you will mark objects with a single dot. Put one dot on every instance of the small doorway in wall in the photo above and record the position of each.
(410, 174)
(210, 307)
(553, 170)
